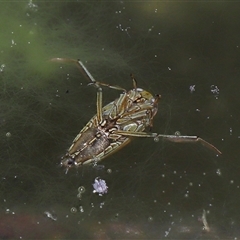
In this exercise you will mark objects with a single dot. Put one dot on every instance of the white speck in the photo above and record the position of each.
(169, 69)
(150, 219)
(167, 232)
(215, 90)
(31, 6)
(2, 67)
(49, 215)
(81, 209)
(192, 88)
(219, 173)
(150, 29)
(101, 204)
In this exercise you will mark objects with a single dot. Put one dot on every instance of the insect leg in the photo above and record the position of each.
(86, 73)
(188, 139)
(99, 105)
(172, 138)
(116, 87)
(99, 89)
(135, 134)
(81, 67)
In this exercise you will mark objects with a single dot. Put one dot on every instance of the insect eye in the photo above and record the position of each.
(70, 162)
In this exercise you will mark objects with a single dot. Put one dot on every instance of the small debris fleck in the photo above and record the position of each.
(192, 88)
(100, 186)
(50, 215)
(215, 91)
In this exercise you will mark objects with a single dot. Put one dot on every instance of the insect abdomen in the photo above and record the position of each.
(87, 146)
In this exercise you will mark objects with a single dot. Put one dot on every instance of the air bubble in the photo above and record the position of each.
(156, 139)
(73, 210)
(177, 133)
(8, 134)
(81, 189)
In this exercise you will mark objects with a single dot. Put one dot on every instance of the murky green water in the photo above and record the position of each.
(188, 53)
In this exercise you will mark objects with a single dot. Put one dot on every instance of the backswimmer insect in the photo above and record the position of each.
(115, 124)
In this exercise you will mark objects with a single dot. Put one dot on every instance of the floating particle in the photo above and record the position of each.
(100, 186)
(50, 215)
(150, 219)
(192, 88)
(204, 221)
(2, 67)
(81, 209)
(79, 196)
(219, 173)
(31, 6)
(215, 90)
